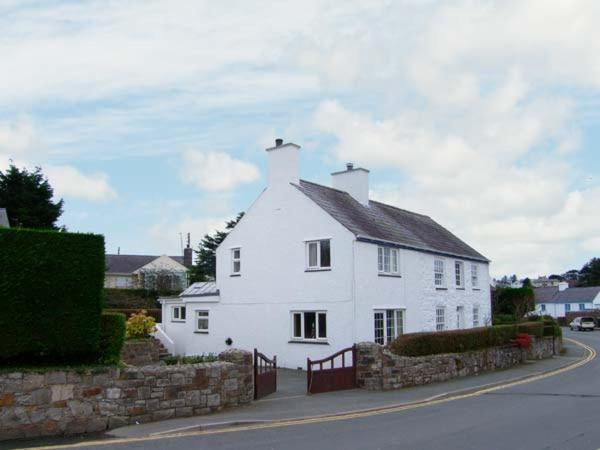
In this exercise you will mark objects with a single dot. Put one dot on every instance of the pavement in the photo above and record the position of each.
(282, 419)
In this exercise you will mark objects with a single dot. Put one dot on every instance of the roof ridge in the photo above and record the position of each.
(326, 187)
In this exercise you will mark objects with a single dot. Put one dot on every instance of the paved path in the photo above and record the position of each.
(553, 412)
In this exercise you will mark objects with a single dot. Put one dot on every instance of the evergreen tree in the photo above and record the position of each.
(206, 258)
(27, 197)
(589, 275)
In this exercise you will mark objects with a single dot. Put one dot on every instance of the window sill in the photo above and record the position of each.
(235, 275)
(389, 275)
(325, 269)
(441, 289)
(476, 289)
(200, 332)
(308, 342)
(460, 289)
(177, 321)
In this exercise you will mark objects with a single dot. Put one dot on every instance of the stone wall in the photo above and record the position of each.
(379, 369)
(140, 352)
(70, 402)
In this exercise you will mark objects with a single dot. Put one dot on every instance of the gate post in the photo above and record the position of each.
(255, 371)
(308, 375)
(354, 364)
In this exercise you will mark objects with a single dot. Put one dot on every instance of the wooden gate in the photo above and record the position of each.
(323, 379)
(265, 375)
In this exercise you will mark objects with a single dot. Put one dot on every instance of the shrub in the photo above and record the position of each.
(112, 337)
(139, 325)
(500, 319)
(51, 293)
(154, 313)
(532, 328)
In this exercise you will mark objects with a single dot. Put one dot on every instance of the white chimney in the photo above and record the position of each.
(355, 181)
(283, 163)
(562, 286)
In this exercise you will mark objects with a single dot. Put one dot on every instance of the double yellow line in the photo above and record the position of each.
(591, 354)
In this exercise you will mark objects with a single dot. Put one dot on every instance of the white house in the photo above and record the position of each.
(557, 301)
(147, 272)
(310, 270)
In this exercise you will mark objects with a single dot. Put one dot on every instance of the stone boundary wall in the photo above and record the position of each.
(379, 369)
(71, 402)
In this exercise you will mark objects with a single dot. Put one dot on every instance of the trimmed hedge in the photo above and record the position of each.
(134, 298)
(454, 341)
(51, 294)
(501, 319)
(112, 337)
(458, 341)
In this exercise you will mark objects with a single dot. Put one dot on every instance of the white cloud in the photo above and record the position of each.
(21, 145)
(216, 171)
(68, 181)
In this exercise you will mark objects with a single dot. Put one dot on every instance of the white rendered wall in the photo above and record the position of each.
(415, 291)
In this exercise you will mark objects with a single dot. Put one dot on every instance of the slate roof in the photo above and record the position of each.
(384, 223)
(4, 218)
(130, 263)
(569, 295)
(201, 289)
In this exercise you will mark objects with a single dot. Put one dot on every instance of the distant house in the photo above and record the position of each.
(4, 218)
(147, 272)
(540, 282)
(559, 300)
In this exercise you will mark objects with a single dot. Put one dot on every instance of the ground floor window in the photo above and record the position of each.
(543, 307)
(440, 318)
(178, 314)
(567, 307)
(475, 316)
(202, 321)
(582, 307)
(389, 324)
(309, 325)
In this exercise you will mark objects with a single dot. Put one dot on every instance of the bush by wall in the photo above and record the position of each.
(500, 319)
(458, 341)
(112, 337)
(139, 325)
(154, 313)
(51, 293)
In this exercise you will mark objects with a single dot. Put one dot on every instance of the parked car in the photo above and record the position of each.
(583, 324)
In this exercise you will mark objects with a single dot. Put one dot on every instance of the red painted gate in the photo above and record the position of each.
(323, 379)
(265, 375)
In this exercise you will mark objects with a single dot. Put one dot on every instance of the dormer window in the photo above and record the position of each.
(318, 255)
(236, 261)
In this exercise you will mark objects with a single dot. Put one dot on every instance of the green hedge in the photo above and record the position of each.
(134, 298)
(155, 313)
(458, 341)
(455, 341)
(112, 337)
(501, 319)
(51, 285)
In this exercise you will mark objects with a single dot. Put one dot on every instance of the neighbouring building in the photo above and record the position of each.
(311, 269)
(4, 218)
(559, 300)
(545, 282)
(147, 272)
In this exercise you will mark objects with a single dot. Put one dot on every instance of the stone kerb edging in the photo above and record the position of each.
(379, 369)
(67, 402)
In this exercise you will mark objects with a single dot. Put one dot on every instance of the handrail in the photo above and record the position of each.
(162, 336)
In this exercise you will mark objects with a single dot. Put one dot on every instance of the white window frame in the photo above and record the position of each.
(459, 274)
(390, 257)
(582, 307)
(318, 266)
(236, 260)
(202, 314)
(460, 317)
(176, 313)
(440, 313)
(475, 316)
(474, 275)
(302, 337)
(394, 317)
(567, 307)
(439, 269)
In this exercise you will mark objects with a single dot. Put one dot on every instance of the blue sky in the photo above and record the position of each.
(151, 118)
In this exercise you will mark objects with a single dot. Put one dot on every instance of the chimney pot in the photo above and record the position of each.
(349, 166)
(278, 142)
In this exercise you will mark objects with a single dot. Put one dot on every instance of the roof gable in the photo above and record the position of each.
(386, 223)
(131, 263)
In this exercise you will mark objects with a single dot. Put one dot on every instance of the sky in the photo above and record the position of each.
(150, 118)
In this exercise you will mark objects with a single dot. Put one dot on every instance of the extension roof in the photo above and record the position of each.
(381, 223)
(126, 264)
(569, 295)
